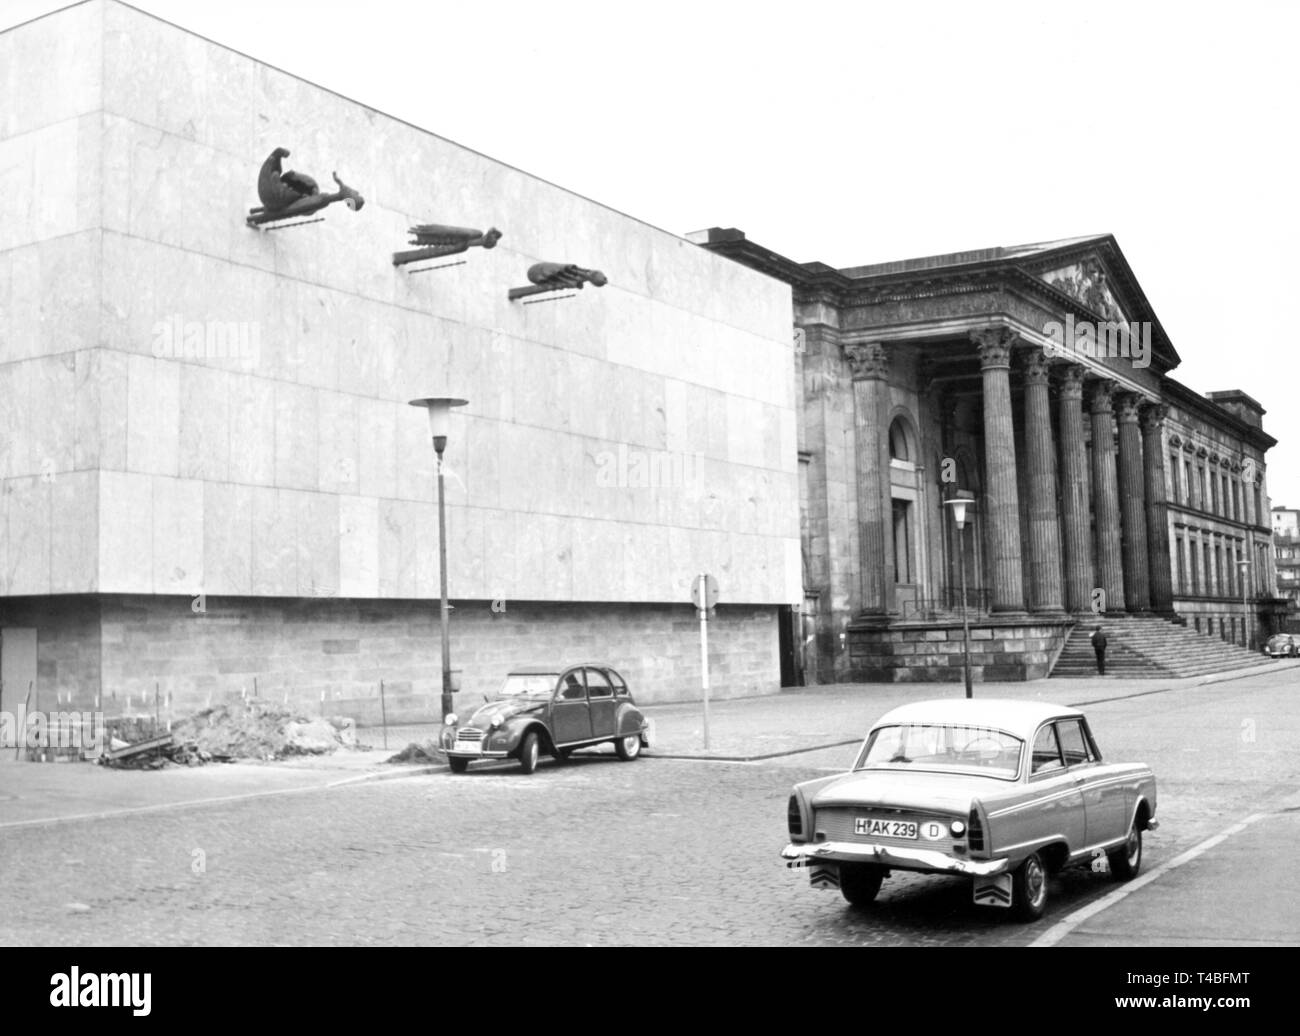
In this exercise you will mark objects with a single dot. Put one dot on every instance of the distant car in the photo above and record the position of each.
(1282, 645)
(1006, 792)
(549, 709)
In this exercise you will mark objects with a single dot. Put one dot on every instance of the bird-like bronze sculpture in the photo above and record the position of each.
(438, 240)
(286, 195)
(557, 277)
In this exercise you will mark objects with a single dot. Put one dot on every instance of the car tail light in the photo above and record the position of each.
(975, 834)
(794, 818)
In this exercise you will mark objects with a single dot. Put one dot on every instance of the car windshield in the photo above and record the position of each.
(944, 747)
(528, 685)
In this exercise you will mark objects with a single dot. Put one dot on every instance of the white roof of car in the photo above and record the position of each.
(1021, 718)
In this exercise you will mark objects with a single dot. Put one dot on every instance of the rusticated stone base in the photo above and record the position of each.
(1000, 650)
(128, 654)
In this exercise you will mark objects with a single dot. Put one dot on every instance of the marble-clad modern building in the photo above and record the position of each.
(1035, 380)
(211, 476)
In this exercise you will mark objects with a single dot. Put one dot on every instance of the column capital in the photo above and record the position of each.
(1102, 393)
(867, 360)
(1153, 416)
(1072, 375)
(1129, 402)
(994, 346)
(1037, 367)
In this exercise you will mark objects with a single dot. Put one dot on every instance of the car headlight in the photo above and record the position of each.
(958, 828)
(449, 719)
(496, 722)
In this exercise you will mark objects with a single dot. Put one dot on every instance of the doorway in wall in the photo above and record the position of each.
(17, 668)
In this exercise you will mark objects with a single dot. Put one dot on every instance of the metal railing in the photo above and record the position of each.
(947, 604)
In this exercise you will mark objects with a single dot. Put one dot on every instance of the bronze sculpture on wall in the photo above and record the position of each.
(437, 240)
(556, 277)
(289, 195)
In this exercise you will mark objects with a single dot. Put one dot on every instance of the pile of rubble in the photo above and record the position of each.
(244, 729)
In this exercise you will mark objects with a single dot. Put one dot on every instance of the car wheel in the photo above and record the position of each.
(1127, 859)
(457, 765)
(528, 752)
(1029, 889)
(628, 748)
(859, 882)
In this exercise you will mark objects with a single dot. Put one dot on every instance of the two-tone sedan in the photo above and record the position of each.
(1006, 792)
(1282, 645)
(549, 709)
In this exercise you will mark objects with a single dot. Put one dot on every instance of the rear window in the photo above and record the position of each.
(942, 747)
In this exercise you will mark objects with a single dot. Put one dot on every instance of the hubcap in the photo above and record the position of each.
(1134, 846)
(632, 744)
(1035, 882)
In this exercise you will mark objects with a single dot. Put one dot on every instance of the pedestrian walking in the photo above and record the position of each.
(1098, 639)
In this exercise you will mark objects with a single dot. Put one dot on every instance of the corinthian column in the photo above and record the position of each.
(1153, 468)
(1105, 500)
(1044, 532)
(1001, 496)
(1074, 492)
(1133, 512)
(869, 366)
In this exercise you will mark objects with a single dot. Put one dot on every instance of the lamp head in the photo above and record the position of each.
(961, 505)
(439, 408)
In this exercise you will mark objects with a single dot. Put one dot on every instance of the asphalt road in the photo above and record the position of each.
(600, 852)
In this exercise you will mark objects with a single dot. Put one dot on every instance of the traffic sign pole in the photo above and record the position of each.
(704, 595)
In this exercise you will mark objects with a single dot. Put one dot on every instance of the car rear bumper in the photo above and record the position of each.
(893, 856)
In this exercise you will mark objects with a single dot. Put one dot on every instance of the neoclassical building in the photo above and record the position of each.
(1034, 380)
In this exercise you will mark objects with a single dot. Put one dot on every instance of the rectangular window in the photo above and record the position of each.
(902, 542)
(1174, 494)
(1073, 745)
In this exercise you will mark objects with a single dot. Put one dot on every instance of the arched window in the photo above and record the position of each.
(898, 445)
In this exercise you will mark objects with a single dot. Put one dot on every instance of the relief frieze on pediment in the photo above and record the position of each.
(1085, 281)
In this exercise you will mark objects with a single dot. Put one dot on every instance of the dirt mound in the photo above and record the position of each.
(414, 753)
(259, 729)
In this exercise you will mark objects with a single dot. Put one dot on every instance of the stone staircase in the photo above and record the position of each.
(1149, 646)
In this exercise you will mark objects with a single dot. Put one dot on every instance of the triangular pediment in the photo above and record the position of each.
(1094, 274)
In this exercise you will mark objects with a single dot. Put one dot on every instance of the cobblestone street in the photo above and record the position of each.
(589, 852)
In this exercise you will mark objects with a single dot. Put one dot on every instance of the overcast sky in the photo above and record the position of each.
(860, 132)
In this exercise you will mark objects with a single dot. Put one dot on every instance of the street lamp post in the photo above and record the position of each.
(959, 505)
(1244, 567)
(439, 408)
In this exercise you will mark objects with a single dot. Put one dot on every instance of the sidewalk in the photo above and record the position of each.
(743, 729)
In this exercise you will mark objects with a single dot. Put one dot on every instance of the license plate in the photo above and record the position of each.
(468, 748)
(885, 828)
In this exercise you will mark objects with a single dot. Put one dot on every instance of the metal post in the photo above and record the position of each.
(703, 647)
(1243, 567)
(965, 615)
(439, 445)
(383, 713)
